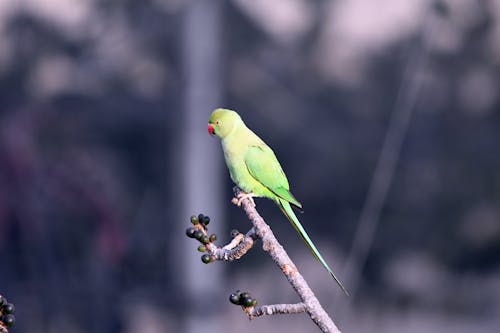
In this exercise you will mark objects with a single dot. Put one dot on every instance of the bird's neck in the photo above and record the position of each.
(232, 141)
(235, 130)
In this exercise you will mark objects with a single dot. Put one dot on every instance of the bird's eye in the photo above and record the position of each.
(217, 122)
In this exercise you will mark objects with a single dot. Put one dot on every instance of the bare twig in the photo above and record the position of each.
(239, 245)
(235, 249)
(271, 245)
(266, 310)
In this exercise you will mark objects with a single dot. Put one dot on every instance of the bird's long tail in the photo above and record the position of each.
(287, 210)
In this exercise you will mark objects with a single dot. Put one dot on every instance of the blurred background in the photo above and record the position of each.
(384, 115)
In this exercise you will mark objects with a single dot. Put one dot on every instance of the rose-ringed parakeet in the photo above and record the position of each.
(254, 168)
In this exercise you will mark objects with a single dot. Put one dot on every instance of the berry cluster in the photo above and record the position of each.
(242, 298)
(199, 232)
(6, 312)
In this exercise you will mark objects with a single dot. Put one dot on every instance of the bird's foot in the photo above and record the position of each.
(242, 196)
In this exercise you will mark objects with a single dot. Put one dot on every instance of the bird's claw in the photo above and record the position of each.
(242, 196)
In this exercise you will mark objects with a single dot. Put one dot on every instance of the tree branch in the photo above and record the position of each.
(235, 249)
(240, 245)
(271, 245)
(276, 309)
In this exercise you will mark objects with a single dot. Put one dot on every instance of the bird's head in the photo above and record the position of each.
(222, 122)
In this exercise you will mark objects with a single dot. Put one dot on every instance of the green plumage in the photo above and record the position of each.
(255, 169)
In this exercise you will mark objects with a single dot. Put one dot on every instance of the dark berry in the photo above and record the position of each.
(8, 308)
(190, 232)
(198, 234)
(3, 301)
(206, 259)
(234, 298)
(247, 301)
(201, 217)
(202, 248)
(213, 238)
(205, 240)
(9, 320)
(194, 219)
(206, 220)
(234, 233)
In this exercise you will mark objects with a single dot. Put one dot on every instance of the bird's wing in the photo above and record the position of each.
(265, 168)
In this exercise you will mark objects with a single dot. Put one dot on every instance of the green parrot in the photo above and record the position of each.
(254, 168)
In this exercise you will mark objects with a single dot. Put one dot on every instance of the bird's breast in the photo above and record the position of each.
(234, 156)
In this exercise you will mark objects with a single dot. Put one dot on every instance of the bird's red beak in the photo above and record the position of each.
(210, 129)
